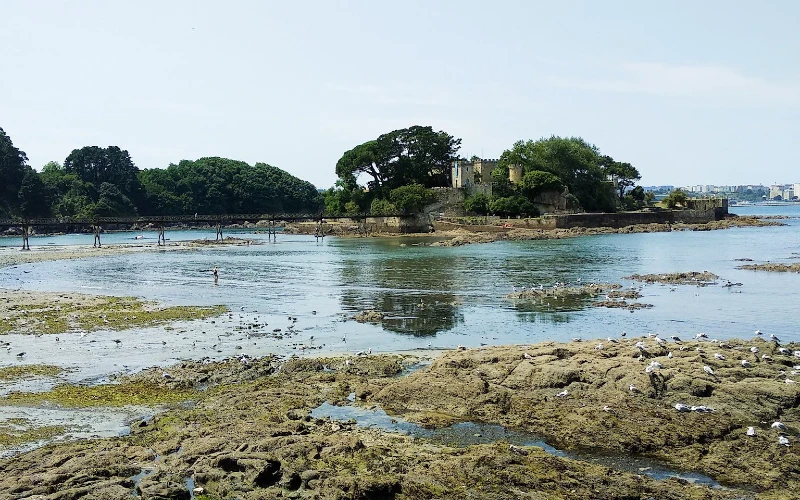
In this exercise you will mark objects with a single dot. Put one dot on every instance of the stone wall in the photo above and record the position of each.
(623, 219)
(374, 225)
(449, 202)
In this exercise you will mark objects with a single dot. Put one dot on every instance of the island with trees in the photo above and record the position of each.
(401, 173)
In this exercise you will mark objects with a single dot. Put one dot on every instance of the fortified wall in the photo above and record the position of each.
(715, 210)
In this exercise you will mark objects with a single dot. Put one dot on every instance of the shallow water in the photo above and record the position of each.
(471, 433)
(438, 296)
(434, 297)
(82, 423)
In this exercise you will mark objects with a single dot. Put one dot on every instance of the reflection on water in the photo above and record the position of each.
(455, 294)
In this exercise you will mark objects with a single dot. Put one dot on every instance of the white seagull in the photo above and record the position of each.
(778, 425)
(719, 356)
(708, 370)
(682, 407)
(751, 431)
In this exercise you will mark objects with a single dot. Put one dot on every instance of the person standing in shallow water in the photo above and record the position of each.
(216, 275)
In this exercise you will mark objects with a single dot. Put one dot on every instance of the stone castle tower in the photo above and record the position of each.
(468, 173)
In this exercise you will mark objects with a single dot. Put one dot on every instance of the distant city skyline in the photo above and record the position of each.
(688, 92)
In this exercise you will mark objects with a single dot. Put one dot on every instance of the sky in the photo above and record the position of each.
(688, 92)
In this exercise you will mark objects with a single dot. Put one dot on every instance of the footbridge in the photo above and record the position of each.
(161, 221)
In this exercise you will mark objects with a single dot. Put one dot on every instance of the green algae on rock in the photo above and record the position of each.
(257, 439)
(14, 432)
(27, 371)
(43, 312)
(109, 395)
(601, 396)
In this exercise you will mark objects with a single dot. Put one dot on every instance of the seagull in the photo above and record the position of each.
(759, 332)
(659, 340)
(623, 333)
(783, 350)
(783, 440)
(607, 408)
(774, 337)
(746, 363)
(633, 388)
(526, 355)
(640, 346)
(21, 354)
(766, 358)
(778, 425)
(613, 341)
(682, 407)
(675, 338)
(754, 349)
(576, 339)
(598, 346)
(751, 431)
(701, 336)
(719, 356)
(517, 449)
(563, 393)
(708, 370)
(669, 355)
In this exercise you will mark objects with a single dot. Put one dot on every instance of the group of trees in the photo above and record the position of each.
(400, 166)
(95, 181)
(419, 156)
(593, 182)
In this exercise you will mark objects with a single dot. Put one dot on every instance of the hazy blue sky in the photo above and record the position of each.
(687, 91)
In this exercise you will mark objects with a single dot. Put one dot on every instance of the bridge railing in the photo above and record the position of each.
(160, 219)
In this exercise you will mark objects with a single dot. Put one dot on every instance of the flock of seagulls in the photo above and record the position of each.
(655, 365)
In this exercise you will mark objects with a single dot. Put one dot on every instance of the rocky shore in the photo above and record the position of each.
(772, 267)
(699, 278)
(244, 427)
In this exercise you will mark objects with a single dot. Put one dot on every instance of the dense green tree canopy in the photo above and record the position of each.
(97, 165)
(478, 204)
(574, 161)
(13, 167)
(676, 198)
(414, 155)
(223, 186)
(623, 175)
(536, 182)
(411, 198)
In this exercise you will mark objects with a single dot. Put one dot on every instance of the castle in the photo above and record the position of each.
(475, 173)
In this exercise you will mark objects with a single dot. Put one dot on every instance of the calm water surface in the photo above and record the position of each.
(435, 297)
